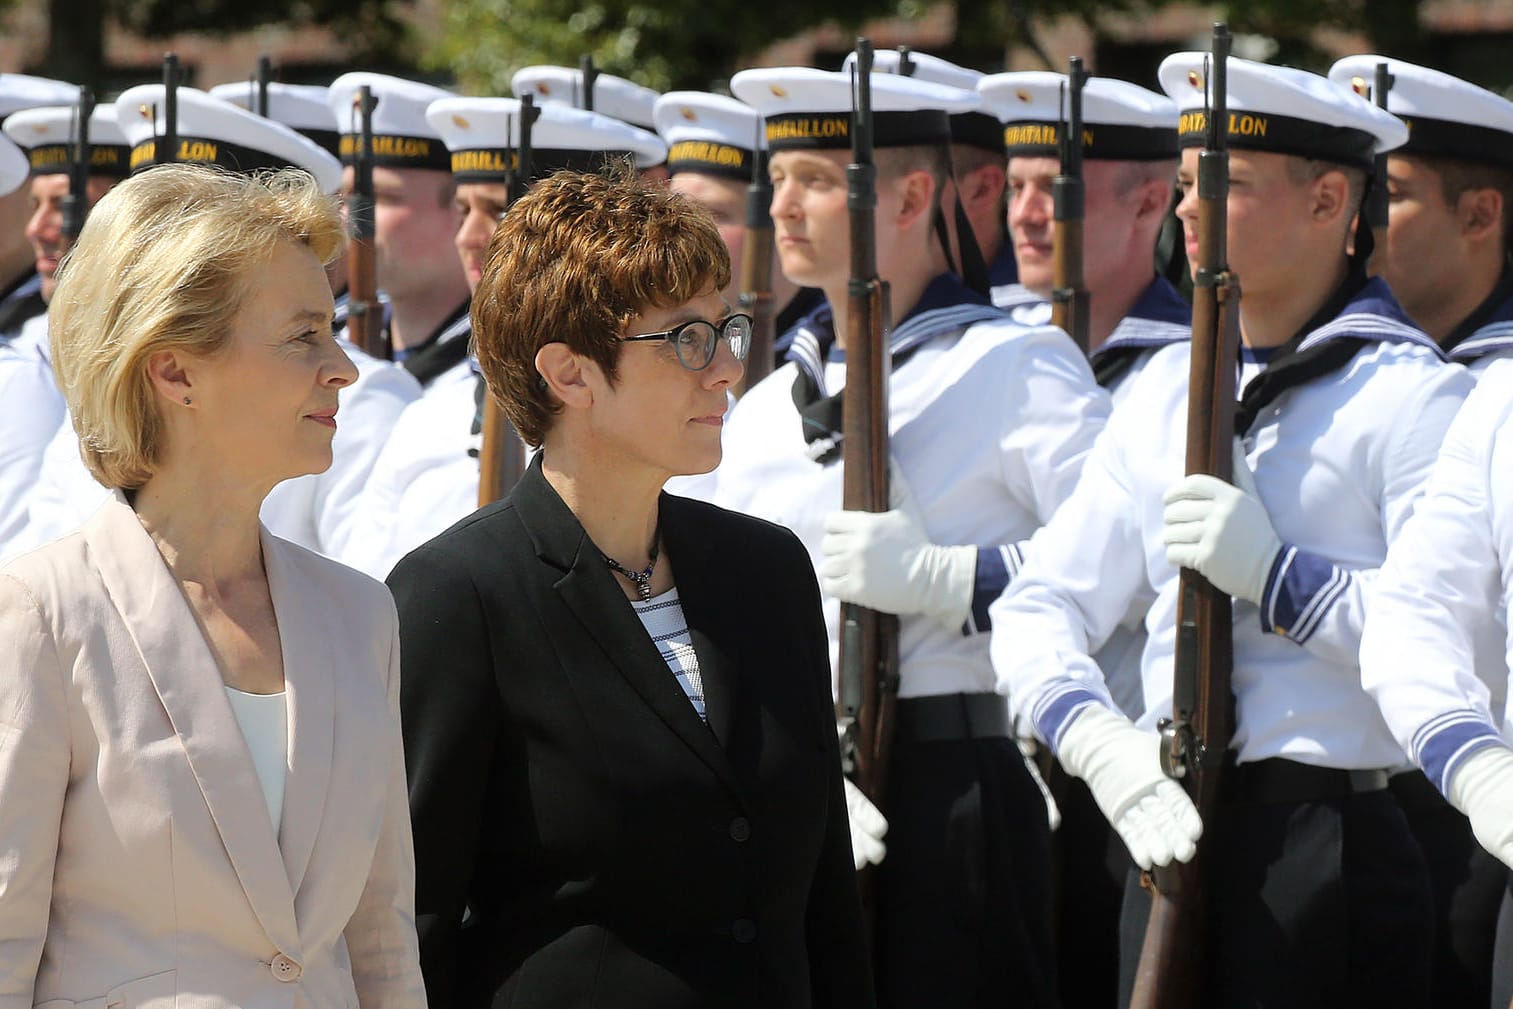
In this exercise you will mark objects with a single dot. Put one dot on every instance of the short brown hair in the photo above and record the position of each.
(573, 261)
(164, 263)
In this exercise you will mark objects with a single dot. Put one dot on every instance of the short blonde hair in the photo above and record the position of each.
(164, 263)
(573, 261)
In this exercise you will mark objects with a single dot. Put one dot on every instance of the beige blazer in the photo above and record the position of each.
(138, 864)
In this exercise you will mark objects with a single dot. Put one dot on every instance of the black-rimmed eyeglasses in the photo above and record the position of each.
(696, 341)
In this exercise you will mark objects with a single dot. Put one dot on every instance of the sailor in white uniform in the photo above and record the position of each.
(20, 284)
(413, 220)
(426, 478)
(1443, 582)
(989, 424)
(1320, 895)
(307, 510)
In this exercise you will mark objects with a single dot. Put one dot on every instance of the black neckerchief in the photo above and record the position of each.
(822, 417)
(1109, 368)
(435, 355)
(1291, 368)
(1482, 314)
(804, 301)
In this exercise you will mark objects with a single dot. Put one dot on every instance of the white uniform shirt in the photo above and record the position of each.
(306, 510)
(1339, 461)
(425, 479)
(990, 422)
(31, 411)
(1436, 652)
(31, 340)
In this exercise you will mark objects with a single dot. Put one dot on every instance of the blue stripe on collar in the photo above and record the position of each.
(1373, 315)
(1488, 339)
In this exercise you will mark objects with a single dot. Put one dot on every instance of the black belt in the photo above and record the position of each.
(944, 718)
(1277, 779)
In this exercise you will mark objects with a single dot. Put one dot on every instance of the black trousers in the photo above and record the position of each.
(1091, 866)
(1314, 905)
(1502, 959)
(1467, 884)
(963, 898)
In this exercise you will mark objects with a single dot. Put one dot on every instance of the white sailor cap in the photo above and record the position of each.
(1281, 109)
(811, 109)
(214, 132)
(304, 108)
(613, 96)
(483, 135)
(976, 129)
(1120, 121)
(47, 134)
(402, 138)
(23, 91)
(12, 167)
(709, 134)
(1446, 116)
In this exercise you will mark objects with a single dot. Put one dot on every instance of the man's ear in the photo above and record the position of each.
(982, 186)
(1329, 197)
(565, 375)
(916, 198)
(1480, 213)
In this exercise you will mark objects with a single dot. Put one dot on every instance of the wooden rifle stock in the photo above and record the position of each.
(1173, 969)
(756, 273)
(869, 639)
(364, 318)
(502, 456)
(1069, 296)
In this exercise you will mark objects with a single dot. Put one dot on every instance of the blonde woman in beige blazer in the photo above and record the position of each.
(202, 792)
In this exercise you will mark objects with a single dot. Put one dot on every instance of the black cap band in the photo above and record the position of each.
(1443, 138)
(977, 129)
(832, 130)
(709, 157)
(1100, 141)
(329, 140)
(204, 151)
(391, 151)
(1267, 131)
(56, 159)
(491, 164)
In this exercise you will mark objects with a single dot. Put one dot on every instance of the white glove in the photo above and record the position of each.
(867, 827)
(1222, 531)
(1028, 749)
(886, 562)
(1482, 788)
(1121, 765)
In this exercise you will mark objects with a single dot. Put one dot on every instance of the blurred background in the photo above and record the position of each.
(474, 45)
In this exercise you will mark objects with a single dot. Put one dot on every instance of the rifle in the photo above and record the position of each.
(756, 270)
(869, 639)
(1173, 962)
(1376, 200)
(364, 319)
(169, 141)
(589, 75)
(502, 458)
(260, 95)
(76, 203)
(1069, 296)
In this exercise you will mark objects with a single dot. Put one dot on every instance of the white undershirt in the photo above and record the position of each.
(265, 727)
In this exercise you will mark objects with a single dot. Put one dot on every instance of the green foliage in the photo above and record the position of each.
(665, 44)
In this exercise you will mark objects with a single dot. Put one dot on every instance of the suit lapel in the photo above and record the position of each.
(188, 682)
(589, 592)
(309, 670)
(688, 549)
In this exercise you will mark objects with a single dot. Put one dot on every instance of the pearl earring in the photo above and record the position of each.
(186, 401)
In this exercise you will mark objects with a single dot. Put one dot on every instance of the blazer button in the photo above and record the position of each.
(740, 829)
(743, 930)
(286, 969)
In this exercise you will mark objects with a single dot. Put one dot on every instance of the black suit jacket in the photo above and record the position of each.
(605, 847)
